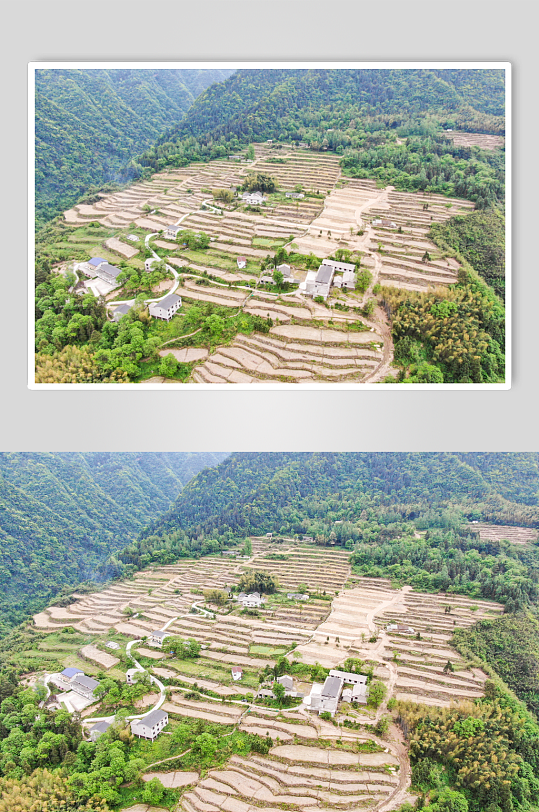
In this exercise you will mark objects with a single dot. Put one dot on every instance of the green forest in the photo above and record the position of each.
(89, 124)
(374, 505)
(62, 514)
(386, 124)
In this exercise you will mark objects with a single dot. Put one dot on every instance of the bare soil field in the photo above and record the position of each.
(476, 140)
(121, 248)
(501, 532)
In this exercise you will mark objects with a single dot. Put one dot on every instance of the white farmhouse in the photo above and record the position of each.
(165, 308)
(156, 638)
(130, 675)
(253, 198)
(150, 726)
(251, 600)
(120, 311)
(173, 231)
(237, 673)
(84, 685)
(149, 262)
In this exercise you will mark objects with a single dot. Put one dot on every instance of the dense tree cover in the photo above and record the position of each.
(459, 331)
(478, 238)
(486, 752)
(183, 649)
(453, 561)
(90, 123)
(256, 581)
(510, 645)
(259, 182)
(63, 317)
(357, 114)
(62, 514)
(429, 162)
(44, 791)
(350, 500)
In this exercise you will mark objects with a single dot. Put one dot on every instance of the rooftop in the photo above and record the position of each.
(100, 727)
(325, 274)
(153, 718)
(168, 301)
(70, 672)
(332, 687)
(86, 682)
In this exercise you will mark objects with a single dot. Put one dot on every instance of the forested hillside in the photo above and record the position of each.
(403, 516)
(90, 123)
(63, 514)
(387, 124)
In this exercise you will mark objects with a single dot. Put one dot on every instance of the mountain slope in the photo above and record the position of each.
(259, 492)
(90, 123)
(61, 515)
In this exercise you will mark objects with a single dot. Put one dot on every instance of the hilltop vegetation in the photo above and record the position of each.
(89, 124)
(62, 514)
(478, 238)
(371, 504)
(362, 115)
(510, 645)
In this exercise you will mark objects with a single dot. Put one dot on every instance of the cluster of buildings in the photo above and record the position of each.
(99, 268)
(73, 679)
(325, 698)
(331, 273)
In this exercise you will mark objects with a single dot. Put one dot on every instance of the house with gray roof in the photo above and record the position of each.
(98, 729)
(173, 231)
(165, 308)
(150, 726)
(120, 311)
(253, 198)
(83, 685)
(156, 638)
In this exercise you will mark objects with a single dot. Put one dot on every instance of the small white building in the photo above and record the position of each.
(165, 308)
(358, 693)
(150, 726)
(399, 628)
(112, 644)
(156, 638)
(96, 731)
(350, 677)
(241, 262)
(295, 195)
(173, 231)
(384, 223)
(297, 596)
(149, 262)
(253, 198)
(251, 600)
(237, 673)
(130, 675)
(133, 237)
(286, 271)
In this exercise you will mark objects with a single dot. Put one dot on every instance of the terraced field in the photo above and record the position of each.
(309, 343)
(499, 532)
(312, 763)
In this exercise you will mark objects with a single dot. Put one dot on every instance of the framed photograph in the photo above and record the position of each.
(270, 225)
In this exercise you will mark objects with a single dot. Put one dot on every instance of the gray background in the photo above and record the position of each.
(402, 419)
